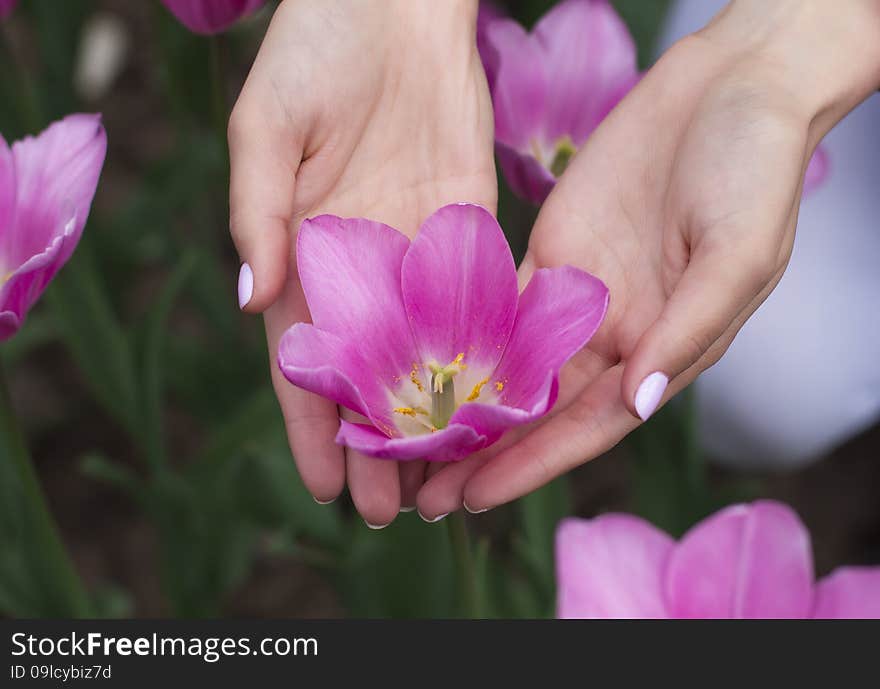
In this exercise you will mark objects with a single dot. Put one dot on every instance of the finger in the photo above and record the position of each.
(711, 293)
(374, 484)
(443, 492)
(592, 424)
(311, 421)
(412, 477)
(525, 270)
(264, 158)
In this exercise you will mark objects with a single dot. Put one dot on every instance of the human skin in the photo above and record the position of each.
(375, 109)
(684, 201)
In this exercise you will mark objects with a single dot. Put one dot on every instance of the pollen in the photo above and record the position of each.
(477, 389)
(414, 377)
(499, 386)
(459, 361)
(410, 411)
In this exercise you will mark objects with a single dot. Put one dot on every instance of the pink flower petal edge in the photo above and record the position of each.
(47, 184)
(211, 16)
(745, 561)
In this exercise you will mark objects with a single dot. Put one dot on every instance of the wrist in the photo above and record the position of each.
(824, 54)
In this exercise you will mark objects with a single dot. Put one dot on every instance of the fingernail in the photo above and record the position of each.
(375, 527)
(407, 509)
(473, 511)
(324, 502)
(650, 393)
(435, 519)
(245, 285)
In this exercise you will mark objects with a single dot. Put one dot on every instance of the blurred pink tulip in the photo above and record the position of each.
(46, 188)
(746, 561)
(6, 7)
(211, 16)
(552, 87)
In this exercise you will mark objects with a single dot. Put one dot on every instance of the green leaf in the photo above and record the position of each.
(95, 338)
(540, 513)
(154, 427)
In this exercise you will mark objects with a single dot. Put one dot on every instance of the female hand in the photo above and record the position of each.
(684, 201)
(377, 109)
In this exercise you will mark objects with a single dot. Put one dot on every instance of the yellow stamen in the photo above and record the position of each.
(477, 389)
(410, 411)
(414, 377)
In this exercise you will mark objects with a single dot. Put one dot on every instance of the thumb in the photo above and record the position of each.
(711, 294)
(263, 166)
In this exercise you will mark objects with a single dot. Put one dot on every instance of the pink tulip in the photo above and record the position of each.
(746, 561)
(552, 87)
(46, 188)
(6, 7)
(211, 16)
(429, 339)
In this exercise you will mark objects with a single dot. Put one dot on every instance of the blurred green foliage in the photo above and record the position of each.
(146, 316)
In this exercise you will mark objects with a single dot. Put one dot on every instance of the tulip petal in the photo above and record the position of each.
(56, 174)
(350, 273)
(449, 444)
(323, 363)
(589, 52)
(849, 593)
(559, 311)
(746, 561)
(46, 188)
(519, 89)
(610, 567)
(492, 420)
(459, 287)
(526, 176)
(211, 16)
(6, 7)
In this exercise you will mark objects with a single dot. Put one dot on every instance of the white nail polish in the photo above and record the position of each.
(245, 285)
(435, 519)
(473, 511)
(375, 527)
(324, 502)
(650, 393)
(407, 509)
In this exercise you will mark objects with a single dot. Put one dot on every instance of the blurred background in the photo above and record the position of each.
(146, 401)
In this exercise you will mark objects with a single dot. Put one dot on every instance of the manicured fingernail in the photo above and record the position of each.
(473, 511)
(407, 509)
(650, 393)
(324, 502)
(375, 527)
(435, 519)
(245, 285)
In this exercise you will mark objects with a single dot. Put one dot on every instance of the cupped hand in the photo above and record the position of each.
(684, 201)
(375, 109)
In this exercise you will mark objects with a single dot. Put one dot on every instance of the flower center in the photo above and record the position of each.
(431, 405)
(562, 155)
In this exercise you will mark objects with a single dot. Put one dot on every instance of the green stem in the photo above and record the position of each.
(25, 94)
(463, 556)
(48, 562)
